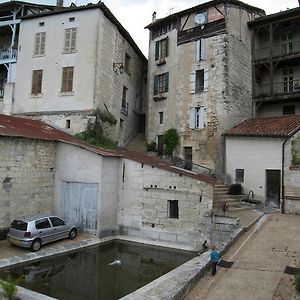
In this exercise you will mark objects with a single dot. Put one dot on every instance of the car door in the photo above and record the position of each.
(60, 228)
(44, 230)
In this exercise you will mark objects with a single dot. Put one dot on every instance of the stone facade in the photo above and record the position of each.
(221, 95)
(144, 209)
(27, 174)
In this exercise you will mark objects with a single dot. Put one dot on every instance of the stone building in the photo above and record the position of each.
(10, 19)
(199, 75)
(276, 63)
(73, 60)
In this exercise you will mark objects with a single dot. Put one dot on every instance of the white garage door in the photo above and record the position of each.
(79, 204)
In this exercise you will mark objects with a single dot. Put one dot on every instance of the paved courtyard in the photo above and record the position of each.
(260, 258)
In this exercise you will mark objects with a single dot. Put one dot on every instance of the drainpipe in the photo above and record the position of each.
(282, 178)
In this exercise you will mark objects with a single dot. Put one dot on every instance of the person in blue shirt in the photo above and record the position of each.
(214, 258)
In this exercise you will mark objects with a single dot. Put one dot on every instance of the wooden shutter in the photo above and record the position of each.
(42, 43)
(205, 80)
(36, 44)
(37, 78)
(167, 46)
(157, 50)
(201, 117)
(73, 39)
(202, 49)
(70, 39)
(192, 82)
(192, 118)
(67, 39)
(67, 79)
(197, 50)
(166, 82)
(155, 87)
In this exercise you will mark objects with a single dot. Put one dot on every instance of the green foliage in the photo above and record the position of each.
(297, 282)
(296, 151)
(171, 139)
(152, 147)
(9, 286)
(94, 134)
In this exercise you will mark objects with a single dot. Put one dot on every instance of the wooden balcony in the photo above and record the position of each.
(8, 55)
(277, 91)
(284, 50)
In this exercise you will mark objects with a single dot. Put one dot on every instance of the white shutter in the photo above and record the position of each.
(192, 117)
(197, 50)
(201, 117)
(192, 82)
(202, 49)
(205, 80)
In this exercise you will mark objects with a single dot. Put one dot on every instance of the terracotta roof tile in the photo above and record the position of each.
(283, 126)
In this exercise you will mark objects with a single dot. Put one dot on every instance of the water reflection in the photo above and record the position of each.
(88, 275)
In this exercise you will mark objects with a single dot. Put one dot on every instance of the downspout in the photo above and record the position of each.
(282, 178)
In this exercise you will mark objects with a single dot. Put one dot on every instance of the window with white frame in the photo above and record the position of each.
(197, 117)
(161, 49)
(70, 40)
(67, 79)
(37, 79)
(161, 83)
(199, 81)
(39, 43)
(200, 52)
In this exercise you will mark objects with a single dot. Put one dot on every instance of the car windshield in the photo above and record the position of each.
(19, 225)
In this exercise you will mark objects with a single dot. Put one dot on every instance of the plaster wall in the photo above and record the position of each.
(27, 177)
(255, 156)
(276, 109)
(144, 210)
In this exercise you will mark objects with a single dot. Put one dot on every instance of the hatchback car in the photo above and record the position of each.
(33, 231)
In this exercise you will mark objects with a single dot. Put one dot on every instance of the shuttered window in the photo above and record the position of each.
(39, 43)
(199, 81)
(37, 78)
(70, 40)
(196, 118)
(161, 49)
(161, 83)
(67, 79)
(200, 52)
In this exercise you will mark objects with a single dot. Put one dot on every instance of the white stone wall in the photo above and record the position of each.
(143, 207)
(255, 156)
(27, 177)
(276, 109)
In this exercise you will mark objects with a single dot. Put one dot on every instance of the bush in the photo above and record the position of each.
(152, 147)
(171, 140)
(297, 282)
(235, 189)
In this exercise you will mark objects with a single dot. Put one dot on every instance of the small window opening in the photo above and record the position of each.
(239, 175)
(41, 24)
(68, 124)
(72, 19)
(173, 210)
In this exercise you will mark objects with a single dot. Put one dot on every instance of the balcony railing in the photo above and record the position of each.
(285, 49)
(278, 89)
(124, 108)
(8, 54)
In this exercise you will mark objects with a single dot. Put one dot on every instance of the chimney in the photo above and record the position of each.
(154, 16)
(59, 3)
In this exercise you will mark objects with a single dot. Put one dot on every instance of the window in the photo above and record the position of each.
(287, 43)
(173, 210)
(68, 124)
(70, 40)
(39, 43)
(188, 158)
(67, 79)
(37, 78)
(41, 24)
(57, 221)
(43, 223)
(161, 49)
(288, 110)
(124, 107)
(197, 117)
(127, 64)
(199, 81)
(161, 83)
(72, 19)
(288, 80)
(239, 175)
(200, 53)
(161, 117)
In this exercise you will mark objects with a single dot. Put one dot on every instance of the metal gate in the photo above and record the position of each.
(79, 204)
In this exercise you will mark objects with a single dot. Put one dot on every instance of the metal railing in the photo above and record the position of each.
(278, 88)
(289, 48)
(124, 108)
(8, 54)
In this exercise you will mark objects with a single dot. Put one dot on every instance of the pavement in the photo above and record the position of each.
(259, 259)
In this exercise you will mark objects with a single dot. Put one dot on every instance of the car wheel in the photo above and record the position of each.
(36, 245)
(73, 234)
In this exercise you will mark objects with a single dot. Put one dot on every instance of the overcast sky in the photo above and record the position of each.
(134, 15)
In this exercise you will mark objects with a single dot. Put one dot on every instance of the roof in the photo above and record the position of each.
(280, 16)
(34, 129)
(107, 14)
(10, 4)
(202, 7)
(278, 127)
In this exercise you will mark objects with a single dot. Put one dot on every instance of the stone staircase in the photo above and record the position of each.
(138, 143)
(233, 202)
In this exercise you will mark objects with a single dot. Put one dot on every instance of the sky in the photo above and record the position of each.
(134, 15)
